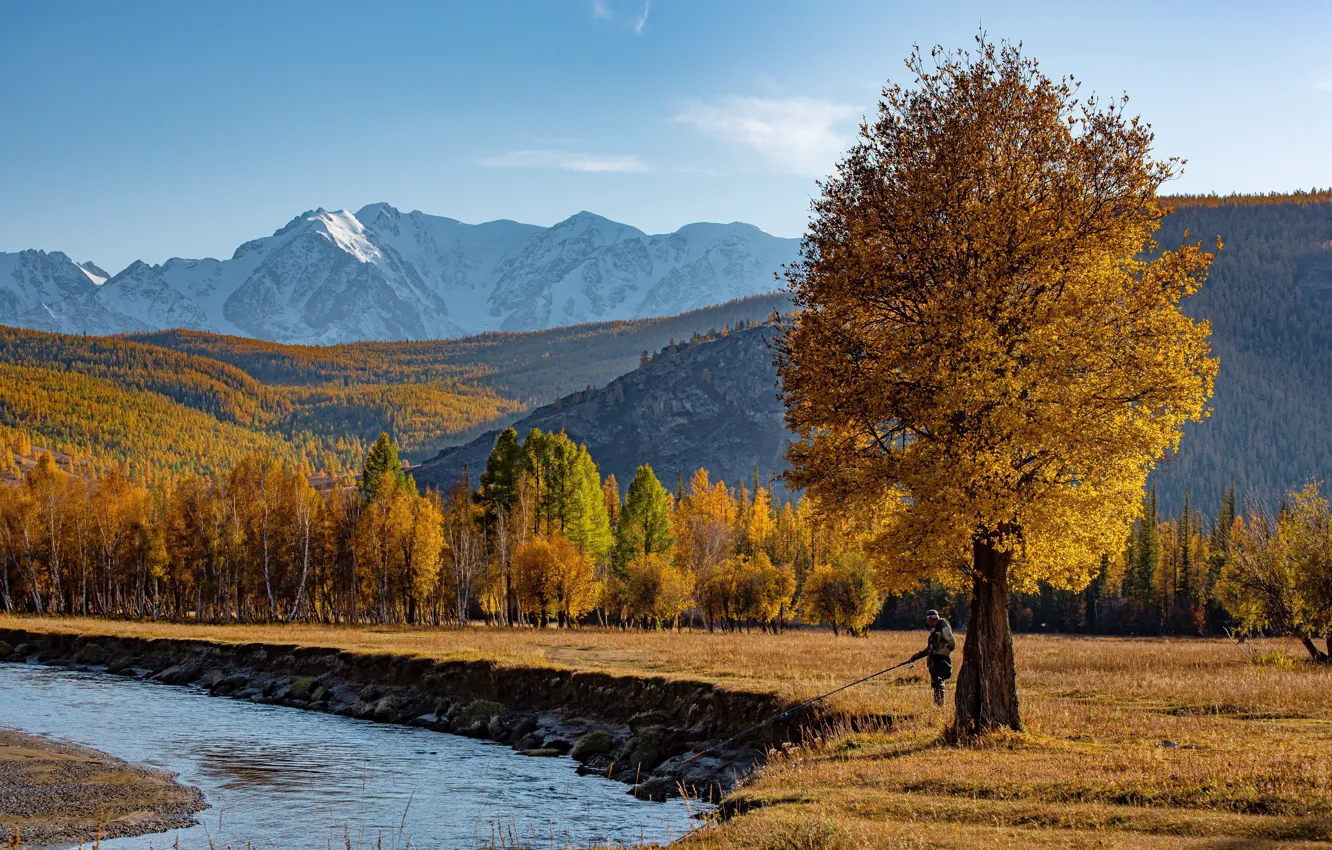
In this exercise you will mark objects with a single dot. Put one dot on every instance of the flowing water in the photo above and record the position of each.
(283, 777)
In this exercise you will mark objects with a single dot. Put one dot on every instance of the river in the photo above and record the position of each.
(283, 777)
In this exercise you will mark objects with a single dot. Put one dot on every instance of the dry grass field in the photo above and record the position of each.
(1130, 743)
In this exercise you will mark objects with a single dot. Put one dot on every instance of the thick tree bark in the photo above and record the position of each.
(986, 697)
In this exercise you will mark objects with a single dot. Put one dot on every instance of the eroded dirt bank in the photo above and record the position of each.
(637, 730)
(58, 793)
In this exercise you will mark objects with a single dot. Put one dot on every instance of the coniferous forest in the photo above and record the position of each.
(1269, 300)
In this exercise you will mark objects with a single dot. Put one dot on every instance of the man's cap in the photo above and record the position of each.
(931, 613)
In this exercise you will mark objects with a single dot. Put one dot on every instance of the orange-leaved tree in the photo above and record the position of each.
(990, 339)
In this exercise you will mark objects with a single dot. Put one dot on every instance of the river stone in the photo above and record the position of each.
(5, 651)
(525, 725)
(180, 674)
(120, 664)
(303, 688)
(387, 708)
(591, 744)
(476, 729)
(559, 744)
(657, 788)
(360, 709)
(532, 741)
(229, 685)
(22, 651)
(92, 655)
(543, 752)
(209, 679)
(636, 755)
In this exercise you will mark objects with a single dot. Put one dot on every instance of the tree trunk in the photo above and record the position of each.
(1318, 656)
(987, 683)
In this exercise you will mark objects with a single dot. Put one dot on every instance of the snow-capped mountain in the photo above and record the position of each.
(331, 277)
(29, 279)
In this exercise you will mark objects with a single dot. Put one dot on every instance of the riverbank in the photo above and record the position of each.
(58, 793)
(636, 728)
(1131, 742)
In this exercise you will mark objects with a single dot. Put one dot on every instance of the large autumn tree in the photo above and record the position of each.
(990, 339)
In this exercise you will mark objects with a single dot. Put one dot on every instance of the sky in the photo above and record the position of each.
(140, 130)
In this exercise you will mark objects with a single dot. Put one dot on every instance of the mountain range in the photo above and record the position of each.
(381, 274)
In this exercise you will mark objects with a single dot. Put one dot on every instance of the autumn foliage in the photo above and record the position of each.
(990, 340)
(540, 539)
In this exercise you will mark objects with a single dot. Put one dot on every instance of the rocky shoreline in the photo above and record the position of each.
(57, 793)
(638, 730)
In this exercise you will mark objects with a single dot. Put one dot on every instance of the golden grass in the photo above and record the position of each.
(1130, 742)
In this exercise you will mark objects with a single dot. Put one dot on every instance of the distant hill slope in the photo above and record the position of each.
(381, 274)
(186, 402)
(1269, 299)
(531, 368)
(710, 404)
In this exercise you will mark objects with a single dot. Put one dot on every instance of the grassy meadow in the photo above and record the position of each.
(1131, 742)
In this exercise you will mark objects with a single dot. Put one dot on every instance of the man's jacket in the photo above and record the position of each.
(942, 641)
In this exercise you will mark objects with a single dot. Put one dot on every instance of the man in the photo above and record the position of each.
(938, 653)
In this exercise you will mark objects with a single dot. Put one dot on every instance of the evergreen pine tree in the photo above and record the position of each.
(586, 523)
(499, 482)
(645, 521)
(1147, 552)
(381, 460)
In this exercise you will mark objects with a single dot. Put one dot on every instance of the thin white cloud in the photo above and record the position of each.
(800, 135)
(601, 11)
(566, 160)
(1326, 86)
(639, 22)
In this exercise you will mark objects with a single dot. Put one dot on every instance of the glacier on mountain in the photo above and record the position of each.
(381, 274)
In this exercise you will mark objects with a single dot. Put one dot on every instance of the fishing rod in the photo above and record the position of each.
(792, 710)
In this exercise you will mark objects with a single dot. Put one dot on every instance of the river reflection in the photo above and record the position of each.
(282, 777)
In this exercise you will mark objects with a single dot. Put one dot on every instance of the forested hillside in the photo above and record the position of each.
(186, 402)
(1269, 299)
(534, 368)
(711, 404)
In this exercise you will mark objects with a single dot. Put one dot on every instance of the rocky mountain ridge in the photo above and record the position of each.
(381, 274)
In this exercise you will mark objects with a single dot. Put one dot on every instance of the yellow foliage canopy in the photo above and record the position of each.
(989, 334)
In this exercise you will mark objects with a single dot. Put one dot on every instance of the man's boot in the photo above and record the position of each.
(938, 693)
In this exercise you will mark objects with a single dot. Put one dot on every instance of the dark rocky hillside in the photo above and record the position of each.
(711, 404)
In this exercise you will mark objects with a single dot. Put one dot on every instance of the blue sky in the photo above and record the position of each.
(136, 130)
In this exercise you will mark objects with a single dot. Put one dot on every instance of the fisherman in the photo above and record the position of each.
(938, 653)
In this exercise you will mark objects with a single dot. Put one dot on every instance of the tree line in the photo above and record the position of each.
(539, 539)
